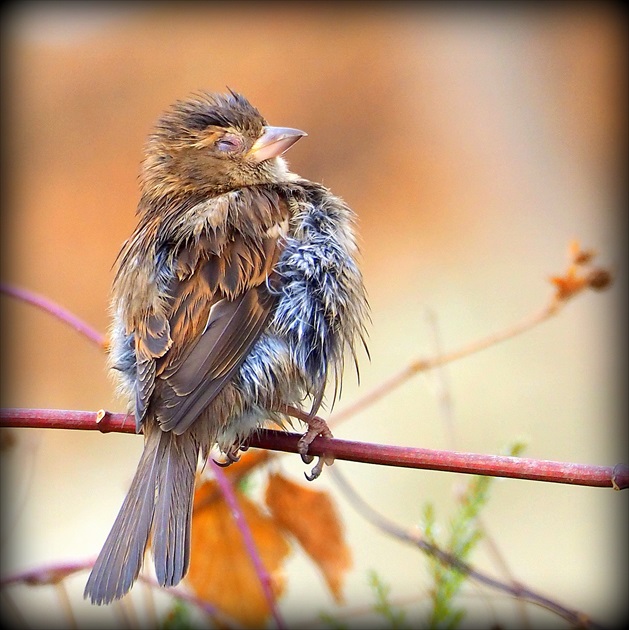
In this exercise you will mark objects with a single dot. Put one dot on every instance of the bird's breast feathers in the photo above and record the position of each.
(215, 253)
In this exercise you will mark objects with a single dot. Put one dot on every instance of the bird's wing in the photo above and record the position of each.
(218, 314)
(219, 299)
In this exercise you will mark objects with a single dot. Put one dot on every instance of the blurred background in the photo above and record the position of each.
(474, 143)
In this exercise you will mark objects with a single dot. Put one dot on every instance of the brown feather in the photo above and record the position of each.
(219, 306)
(189, 387)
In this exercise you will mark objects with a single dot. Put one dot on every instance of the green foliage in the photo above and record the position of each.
(463, 536)
(383, 606)
(177, 618)
(395, 618)
(247, 485)
(332, 621)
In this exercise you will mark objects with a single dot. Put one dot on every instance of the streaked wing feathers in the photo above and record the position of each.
(234, 327)
(220, 305)
(212, 308)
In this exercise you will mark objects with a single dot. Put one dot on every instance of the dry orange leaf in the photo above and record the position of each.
(310, 516)
(221, 570)
(569, 284)
(573, 281)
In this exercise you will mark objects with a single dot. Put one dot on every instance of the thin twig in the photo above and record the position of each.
(450, 461)
(442, 382)
(241, 523)
(66, 604)
(49, 574)
(444, 398)
(422, 365)
(551, 309)
(53, 573)
(56, 311)
(365, 452)
(390, 527)
(503, 566)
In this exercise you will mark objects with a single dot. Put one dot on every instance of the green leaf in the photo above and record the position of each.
(177, 618)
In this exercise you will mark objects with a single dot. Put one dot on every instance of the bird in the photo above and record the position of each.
(235, 302)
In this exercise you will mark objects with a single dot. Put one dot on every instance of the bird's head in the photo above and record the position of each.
(212, 143)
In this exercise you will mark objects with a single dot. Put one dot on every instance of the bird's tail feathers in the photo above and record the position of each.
(173, 509)
(159, 499)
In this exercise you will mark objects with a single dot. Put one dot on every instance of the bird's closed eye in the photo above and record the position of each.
(230, 143)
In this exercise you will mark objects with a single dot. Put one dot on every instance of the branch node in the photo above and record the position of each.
(620, 477)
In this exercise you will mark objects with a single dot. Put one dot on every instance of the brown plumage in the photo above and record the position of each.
(235, 296)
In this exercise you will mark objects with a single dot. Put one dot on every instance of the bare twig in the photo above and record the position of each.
(55, 310)
(53, 573)
(49, 574)
(422, 365)
(66, 604)
(252, 550)
(390, 527)
(578, 277)
(386, 455)
(444, 398)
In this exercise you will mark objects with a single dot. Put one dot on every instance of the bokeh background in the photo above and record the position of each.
(473, 141)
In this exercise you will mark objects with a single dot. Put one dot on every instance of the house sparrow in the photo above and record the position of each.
(234, 302)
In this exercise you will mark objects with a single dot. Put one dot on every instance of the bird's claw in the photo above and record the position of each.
(316, 427)
(316, 469)
(223, 464)
(231, 457)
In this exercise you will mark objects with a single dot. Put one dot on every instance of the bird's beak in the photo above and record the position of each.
(273, 142)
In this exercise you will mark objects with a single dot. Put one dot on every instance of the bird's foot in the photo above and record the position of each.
(316, 427)
(231, 457)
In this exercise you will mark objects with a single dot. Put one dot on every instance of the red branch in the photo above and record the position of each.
(385, 455)
(264, 578)
(54, 309)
